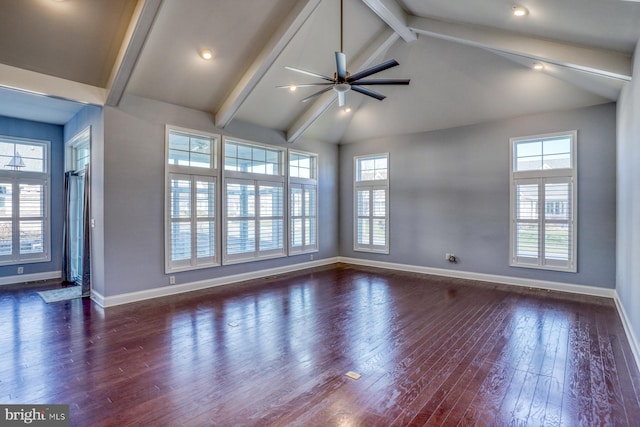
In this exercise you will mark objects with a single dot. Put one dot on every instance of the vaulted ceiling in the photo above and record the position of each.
(468, 61)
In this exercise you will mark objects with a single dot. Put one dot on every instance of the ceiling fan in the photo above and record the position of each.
(342, 81)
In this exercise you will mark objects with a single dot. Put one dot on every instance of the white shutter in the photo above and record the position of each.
(6, 219)
(558, 223)
(240, 235)
(271, 218)
(205, 220)
(302, 217)
(371, 233)
(544, 223)
(254, 218)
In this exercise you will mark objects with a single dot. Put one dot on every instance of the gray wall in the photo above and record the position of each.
(134, 194)
(449, 192)
(92, 116)
(628, 277)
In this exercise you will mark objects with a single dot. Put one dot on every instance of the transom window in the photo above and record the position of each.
(251, 158)
(543, 201)
(23, 155)
(553, 152)
(190, 149)
(302, 165)
(372, 168)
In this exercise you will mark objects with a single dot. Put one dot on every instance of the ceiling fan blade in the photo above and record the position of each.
(341, 66)
(342, 99)
(376, 69)
(309, 73)
(320, 92)
(368, 92)
(382, 82)
(304, 85)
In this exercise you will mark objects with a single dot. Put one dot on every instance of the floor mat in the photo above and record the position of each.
(63, 294)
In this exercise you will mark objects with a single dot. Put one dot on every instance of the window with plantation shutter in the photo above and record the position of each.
(254, 220)
(371, 207)
(24, 201)
(191, 224)
(303, 206)
(543, 201)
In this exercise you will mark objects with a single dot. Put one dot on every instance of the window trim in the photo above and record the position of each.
(24, 177)
(541, 177)
(303, 183)
(257, 179)
(80, 140)
(194, 172)
(371, 186)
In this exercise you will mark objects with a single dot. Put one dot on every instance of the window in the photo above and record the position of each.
(371, 207)
(254, 201)
(303, 208)
(543, 201)
(190, 235)
(24, 201)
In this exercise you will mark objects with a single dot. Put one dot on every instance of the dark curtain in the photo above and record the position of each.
(86, 234)
(66, 229)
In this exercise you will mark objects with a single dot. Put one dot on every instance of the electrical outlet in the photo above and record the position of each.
(446, 256)
(311, 257)
(20, 270)
(172, 280)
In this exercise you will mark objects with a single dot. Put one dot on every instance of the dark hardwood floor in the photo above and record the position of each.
(431, 351)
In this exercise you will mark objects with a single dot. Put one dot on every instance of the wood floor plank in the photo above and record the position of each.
(431, 351)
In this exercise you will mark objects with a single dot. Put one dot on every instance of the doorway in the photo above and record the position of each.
(77, 159)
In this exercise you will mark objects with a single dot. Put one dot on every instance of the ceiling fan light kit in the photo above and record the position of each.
(343, 82)
(519, 11)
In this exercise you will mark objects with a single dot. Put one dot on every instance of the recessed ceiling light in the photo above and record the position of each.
(346, 108)
(206, 54)
(293, 88)
(519, 11)
(538, 66)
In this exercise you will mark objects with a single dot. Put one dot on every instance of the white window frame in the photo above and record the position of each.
(193, 174)
(305, 185)
(370, 186)
(80, 141)
(16, 178)
(255, 179)
(541, 178)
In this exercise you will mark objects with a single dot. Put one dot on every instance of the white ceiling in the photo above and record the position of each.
(471, 61)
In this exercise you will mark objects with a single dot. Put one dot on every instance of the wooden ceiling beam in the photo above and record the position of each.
(56, 87)
(396, 18)
(133, 43)
(601, 62)
(274, 47)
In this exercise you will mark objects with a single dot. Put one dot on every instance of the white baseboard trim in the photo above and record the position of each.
(628, 330)
(494, 278)
(34, 277)
(110, 301)
(98, 298)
